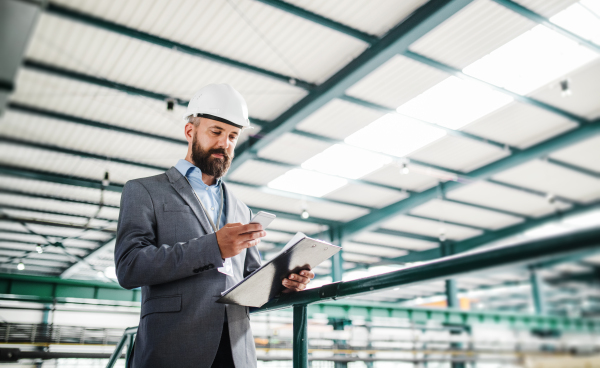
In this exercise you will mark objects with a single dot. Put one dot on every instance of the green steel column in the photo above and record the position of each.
(337, 262)
(451, 294)
(300, 355)
(537, 293)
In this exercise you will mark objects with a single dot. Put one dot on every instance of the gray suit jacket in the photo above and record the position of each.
(166, 246)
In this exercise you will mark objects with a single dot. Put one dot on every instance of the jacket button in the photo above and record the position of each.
(211, 265)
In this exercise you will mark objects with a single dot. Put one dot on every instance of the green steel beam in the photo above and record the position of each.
(537, 293)
(300, 354)
(406, 235)
(524, 99)
(521, 254)
(395, 41)
(43, 289)
(483, 239)
(57, 178)
(80, 77)
(321, 20)
(48, 223)
(46, 289)
(527, 13)
(90, 20)
(374, 218)
(91, 123)
(572, 167)
(53, 212)
(507, 3)
(52, 197)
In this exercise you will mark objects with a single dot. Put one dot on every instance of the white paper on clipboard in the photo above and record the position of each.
(300, 253)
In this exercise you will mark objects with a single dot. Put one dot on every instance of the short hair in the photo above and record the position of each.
(194, 120)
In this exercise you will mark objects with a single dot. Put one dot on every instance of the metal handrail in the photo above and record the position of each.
(523, 253)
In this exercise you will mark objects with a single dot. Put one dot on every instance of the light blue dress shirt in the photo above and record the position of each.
(209, 195)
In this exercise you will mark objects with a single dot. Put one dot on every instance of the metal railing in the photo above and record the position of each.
(18, 333)
(526, 253)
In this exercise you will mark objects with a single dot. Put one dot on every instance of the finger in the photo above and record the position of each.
(297, 286)
(307, 273)
(233, 224)
(300, 279)
(249, 228)
(251, 243)
(252, 236)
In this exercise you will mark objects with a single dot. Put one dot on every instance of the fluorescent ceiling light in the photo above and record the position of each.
(346, 161)
(588, 219)
(395, 135)
(454, 103)
(307, 182)
(531, 61)
(581, 19)
(546, 230)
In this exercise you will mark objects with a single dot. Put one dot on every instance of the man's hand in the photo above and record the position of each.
(234, 238)
(297, 282)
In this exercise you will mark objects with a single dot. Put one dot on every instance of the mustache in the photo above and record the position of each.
(219, 151)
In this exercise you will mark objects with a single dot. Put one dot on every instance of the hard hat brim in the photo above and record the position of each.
(213, 117)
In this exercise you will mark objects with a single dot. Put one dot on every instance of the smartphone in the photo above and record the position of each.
(263, 218)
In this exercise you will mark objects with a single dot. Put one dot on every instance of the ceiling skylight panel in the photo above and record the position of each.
(454, 103)
(395, 135)
(307, 182)
(581, 19)
(346, 161)
(530, 61)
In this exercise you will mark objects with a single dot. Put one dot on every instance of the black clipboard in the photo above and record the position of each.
(265, 283)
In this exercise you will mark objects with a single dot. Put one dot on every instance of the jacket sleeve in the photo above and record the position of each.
(252, 261)
(140, 261)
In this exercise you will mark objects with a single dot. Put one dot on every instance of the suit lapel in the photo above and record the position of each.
(181, 185)
(230, 200)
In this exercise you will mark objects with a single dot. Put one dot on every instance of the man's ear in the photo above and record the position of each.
(189, 132)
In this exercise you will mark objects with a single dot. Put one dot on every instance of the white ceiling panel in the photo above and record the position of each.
(243, 30)
(504, 198)
(295, 226)
(331, 211)
(394, 241)
(274, 236)
(550, 178)
(121, 59)
(520, 125)
(584, 87)
(359, 258)
(479, 29)
(395, 82)
(367, 195)
(89, 139)
(257, 172)
(64, 219)
(95, 103)
(458, 153)
(418, 178)
(16, 155)
(373, 250)
(338, 119)
(361, 14)
(430, 228)
(584, 154)
(463, 214)
(293, 149)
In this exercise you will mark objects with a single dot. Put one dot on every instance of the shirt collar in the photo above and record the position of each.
(186, 169)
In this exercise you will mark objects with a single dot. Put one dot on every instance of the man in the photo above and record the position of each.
(183, 237)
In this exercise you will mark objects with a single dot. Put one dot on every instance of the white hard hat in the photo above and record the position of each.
(219, 102)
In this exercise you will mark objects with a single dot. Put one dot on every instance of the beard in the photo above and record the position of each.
(209, 165)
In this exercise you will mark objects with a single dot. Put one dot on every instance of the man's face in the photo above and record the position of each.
(213, 143)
